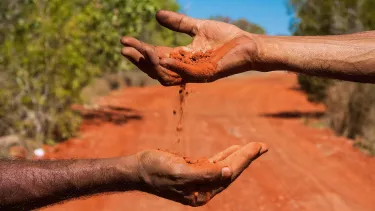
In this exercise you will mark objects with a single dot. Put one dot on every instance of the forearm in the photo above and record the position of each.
(26, 185)
(346, 57)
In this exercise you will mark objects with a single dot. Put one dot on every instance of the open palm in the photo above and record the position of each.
(194, 183)
(208, 35)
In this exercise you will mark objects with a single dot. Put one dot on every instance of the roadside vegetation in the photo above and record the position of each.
(350, 106)
(56, 53)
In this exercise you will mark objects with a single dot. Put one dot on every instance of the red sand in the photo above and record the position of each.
(305, 169)
(192, 58)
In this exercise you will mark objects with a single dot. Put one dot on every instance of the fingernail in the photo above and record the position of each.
(226, 172)
(263, 148)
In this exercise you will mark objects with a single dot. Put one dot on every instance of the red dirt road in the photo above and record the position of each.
(305, 169)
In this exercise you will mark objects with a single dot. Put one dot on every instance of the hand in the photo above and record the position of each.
(194, 183)
(234, 51)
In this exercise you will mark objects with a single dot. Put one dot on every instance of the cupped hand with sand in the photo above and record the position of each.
(194, 182)
(218, 50)
(190, 182)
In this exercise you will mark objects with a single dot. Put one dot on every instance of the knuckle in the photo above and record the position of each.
(148, 49)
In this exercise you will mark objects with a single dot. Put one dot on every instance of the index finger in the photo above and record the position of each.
(242, 158)
(224, 154)
(145, 49)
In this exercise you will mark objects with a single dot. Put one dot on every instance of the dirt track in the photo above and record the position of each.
(306, 168)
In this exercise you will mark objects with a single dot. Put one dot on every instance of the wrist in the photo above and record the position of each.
(127, 174)
(267, 56)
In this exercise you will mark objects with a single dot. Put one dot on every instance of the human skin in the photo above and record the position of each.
(346, 57)
(26, 185)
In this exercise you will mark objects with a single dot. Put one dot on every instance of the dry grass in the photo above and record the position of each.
(104, 85)
(351, 112)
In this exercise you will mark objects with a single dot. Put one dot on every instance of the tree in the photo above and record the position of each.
(154, 33)
(241, 23)
(50, 50)
(350, 106)
(249, 27)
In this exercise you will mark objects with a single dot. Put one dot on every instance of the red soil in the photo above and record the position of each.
(305, 169)
(200, 161)
(192, 58)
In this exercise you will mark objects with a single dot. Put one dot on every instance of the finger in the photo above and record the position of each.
(229, 168)
(132, 42)
(178, 67)
(209, 176)
(145, 49)
(237, 159)
(218, 190)
(201, 198)
(132, 54)
(226, 174)
(167, 77)
(178, 22)
(242, 158)
(204, 72)
(149, 52)
(138, 60)
(224, 154)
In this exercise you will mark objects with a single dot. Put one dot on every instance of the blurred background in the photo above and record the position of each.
(57, 53)
(58, 58)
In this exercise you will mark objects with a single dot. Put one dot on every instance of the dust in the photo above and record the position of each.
(187, 58)
(182, 93)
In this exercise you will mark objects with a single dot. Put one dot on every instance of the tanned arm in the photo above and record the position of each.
(26, 185)
(347, 57)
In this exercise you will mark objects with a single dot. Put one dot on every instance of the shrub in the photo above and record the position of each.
(350, 106)
(315, 88)
(51, 51)
(351, 112)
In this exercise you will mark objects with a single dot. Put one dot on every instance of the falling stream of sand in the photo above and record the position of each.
(182, 93)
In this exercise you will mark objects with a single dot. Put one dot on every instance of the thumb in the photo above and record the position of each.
(226, 172)
(177, 22)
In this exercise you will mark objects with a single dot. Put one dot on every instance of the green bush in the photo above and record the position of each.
(315, 88)
(50, 50)
(351, 112)
(350, 106)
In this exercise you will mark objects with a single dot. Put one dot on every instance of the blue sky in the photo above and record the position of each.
(270, 14)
